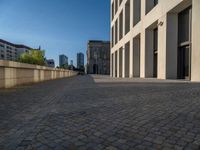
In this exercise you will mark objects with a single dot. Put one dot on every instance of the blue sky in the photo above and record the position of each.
(59, 26)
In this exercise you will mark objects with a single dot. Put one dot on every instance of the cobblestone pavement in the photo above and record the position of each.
(93, 112)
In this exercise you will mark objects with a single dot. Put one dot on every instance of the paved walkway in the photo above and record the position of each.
(97, 113)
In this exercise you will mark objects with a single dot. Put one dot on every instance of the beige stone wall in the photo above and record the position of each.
(14, 73)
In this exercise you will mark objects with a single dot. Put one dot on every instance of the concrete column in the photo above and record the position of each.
(36, 75)
(111, 65)
(118, 25)
(123, 62)
(142, 42)
(10, 77)
(41, 75)
(195, 63)
(167, 46)
(131, 59)
(143, 8)
(142, 55)
(2, 77)
(118, 64)
(114, 74)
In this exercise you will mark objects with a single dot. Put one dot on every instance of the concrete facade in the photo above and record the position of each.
(98, 57)
(146, 39)
(10, 51)
(14, 73)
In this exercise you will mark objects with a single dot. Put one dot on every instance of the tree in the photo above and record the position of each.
(35, 57)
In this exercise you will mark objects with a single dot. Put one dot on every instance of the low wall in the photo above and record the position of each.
(14, 73)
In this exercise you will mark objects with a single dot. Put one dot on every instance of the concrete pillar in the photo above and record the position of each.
(142, 42)
(118, 64)
(195, 63)
(167, 50)
(118, 31)
(143, 8)
(41, 75)
(114, 72)
(10, 77)
(131, 59)
(142, 55)
(111, 65)
(2, 77)
(36, 75)
(123, 62)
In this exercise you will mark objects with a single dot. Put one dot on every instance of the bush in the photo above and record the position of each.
(35, 57)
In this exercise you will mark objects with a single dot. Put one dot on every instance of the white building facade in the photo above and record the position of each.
(155, 39)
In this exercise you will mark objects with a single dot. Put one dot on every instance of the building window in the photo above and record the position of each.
(120, 1)
(121, 25)
(8, 47)
(155, 51)
(155, 2)
(184, 43)
(112, 37)
(116, 31)
(136, 11)
(150, 4)
(112, 11)
(116, 6)
(127, 17)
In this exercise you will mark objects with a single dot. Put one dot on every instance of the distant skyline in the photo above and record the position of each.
(59, 27)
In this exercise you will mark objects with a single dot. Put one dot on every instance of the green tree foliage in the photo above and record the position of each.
(35, 57)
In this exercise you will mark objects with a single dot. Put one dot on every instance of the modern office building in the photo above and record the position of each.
(80, 61)
(50, 63)
(10, 51)
(155, 39)
(98, 57)
(63, 61)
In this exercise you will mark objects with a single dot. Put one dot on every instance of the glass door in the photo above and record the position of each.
(184, 62)
(184, 41)
(155, 53)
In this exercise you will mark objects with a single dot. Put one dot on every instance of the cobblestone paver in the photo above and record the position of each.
(81, 114)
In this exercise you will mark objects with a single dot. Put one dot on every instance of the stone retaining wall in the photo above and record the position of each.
(14, 73)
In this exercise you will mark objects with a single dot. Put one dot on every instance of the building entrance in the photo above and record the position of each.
(184, 39)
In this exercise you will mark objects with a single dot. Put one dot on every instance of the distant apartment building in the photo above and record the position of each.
(155, 39)
(50, 63)
(63, 60)
(10, 51)
(98, 57)
(80, 61)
